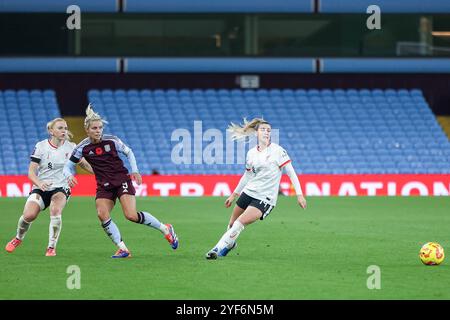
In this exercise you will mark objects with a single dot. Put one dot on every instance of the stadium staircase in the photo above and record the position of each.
(76, 126)
(444, 121)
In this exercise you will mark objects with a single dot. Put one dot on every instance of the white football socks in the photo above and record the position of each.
(164, 229)
(229, 237)
(54, 230)
(122, 246)
(22, 228)
(113, 233)
(151, 221)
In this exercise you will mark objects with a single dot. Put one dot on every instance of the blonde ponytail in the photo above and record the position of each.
(249, 128)
(51, 124)
(91, 115)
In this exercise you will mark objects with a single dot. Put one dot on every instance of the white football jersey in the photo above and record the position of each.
(266, 169)
(51, 161)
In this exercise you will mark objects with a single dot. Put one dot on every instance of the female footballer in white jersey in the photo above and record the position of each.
(259, 184)
(50, 188)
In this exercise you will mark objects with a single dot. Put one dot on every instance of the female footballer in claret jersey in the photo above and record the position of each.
(113, 181)
(258, 188)
(50, 188)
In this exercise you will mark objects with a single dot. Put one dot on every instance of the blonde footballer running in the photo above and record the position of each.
(259, 186)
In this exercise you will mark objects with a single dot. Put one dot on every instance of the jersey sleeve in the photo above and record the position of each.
(248, 165)
(121, 147)
(282, 158)
(77, 154)
(37, 153)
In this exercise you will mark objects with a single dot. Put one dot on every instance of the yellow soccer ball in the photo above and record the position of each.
(431, 254)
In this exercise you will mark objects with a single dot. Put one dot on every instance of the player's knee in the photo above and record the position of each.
(132, 216)
(29, 217)
(55, 211)
(246, 220)
(103, 215)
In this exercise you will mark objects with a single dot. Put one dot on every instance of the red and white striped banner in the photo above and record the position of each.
(223, 185)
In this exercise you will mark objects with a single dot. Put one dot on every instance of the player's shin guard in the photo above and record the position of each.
(229, 238)
(22, 228)
(149, 220)
(113, 233)
(54, 230)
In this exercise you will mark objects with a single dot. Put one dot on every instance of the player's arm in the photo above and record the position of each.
(122, 147)
(32, 169)
(242, 183)
(246, 177)
(35, 158)
(294, 180)
(69, 170)
(85, 165)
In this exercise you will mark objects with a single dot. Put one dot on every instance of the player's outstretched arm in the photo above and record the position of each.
(85, 165)
(134, 168)
(242, 183)
(136, 176)
(294, 180)
(230, 199)
(69, 171)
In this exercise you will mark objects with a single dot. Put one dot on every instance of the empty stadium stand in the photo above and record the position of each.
(23, 121)
(324, 131)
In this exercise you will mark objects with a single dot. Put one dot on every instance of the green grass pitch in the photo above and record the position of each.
(319, 253)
